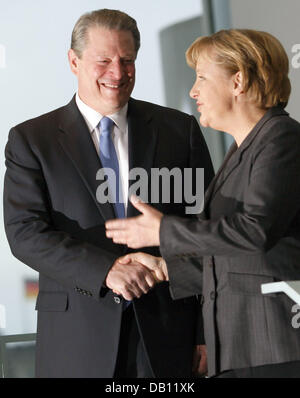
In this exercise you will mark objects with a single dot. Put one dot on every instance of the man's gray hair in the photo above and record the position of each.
(109, 19)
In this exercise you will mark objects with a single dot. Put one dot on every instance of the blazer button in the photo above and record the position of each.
(212, 295)
(117, 300)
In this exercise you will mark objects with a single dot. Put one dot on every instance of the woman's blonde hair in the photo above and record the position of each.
(258, 55)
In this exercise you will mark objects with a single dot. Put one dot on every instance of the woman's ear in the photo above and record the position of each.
(238, 83)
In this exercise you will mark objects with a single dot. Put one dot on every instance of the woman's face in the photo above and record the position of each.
(213, 91)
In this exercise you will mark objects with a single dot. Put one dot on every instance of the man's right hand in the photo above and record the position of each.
(156, 265)
(130, 280)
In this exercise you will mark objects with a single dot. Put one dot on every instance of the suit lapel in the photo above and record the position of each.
(142, 141)
(78, 145)
(234, 155)
(216, 180)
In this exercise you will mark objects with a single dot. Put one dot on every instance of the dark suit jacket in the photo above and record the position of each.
(55, 225)
(248, 234)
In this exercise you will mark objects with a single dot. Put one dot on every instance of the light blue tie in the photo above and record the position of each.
(109, 159)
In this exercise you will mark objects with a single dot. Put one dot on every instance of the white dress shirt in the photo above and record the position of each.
(119, 137)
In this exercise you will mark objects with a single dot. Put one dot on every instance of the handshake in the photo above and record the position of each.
(135, 274)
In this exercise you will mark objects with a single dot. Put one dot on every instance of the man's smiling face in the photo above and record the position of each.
(106, 69)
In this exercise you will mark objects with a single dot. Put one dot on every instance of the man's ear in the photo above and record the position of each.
(73, 61)
(238, 83)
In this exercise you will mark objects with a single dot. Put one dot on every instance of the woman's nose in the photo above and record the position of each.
(194, 92)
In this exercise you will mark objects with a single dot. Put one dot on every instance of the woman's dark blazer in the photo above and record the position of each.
(247, 235)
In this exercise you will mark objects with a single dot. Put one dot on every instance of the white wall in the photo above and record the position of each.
(280, 18)
(35, 78)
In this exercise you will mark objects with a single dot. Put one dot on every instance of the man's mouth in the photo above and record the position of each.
(112, 86)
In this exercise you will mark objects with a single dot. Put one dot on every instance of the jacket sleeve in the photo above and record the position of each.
(270, 207)
(32, 237)
(199, 158)
(200, 339)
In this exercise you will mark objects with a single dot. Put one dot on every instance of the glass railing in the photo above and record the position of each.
(17, 355)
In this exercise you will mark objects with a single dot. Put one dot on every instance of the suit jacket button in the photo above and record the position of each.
(117, 300)
(212, 295)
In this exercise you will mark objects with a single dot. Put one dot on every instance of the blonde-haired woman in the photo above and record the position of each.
(249, 231)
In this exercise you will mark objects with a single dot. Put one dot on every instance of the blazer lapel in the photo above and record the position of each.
(215, 181)
(142, 142)
(234, 155)
(78, 145)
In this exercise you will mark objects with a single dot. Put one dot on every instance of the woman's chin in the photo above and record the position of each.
(203, 121)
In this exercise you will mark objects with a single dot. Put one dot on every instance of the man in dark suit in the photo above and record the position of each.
(55, 224)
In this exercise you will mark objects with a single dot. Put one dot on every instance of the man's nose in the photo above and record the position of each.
(117, 70)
